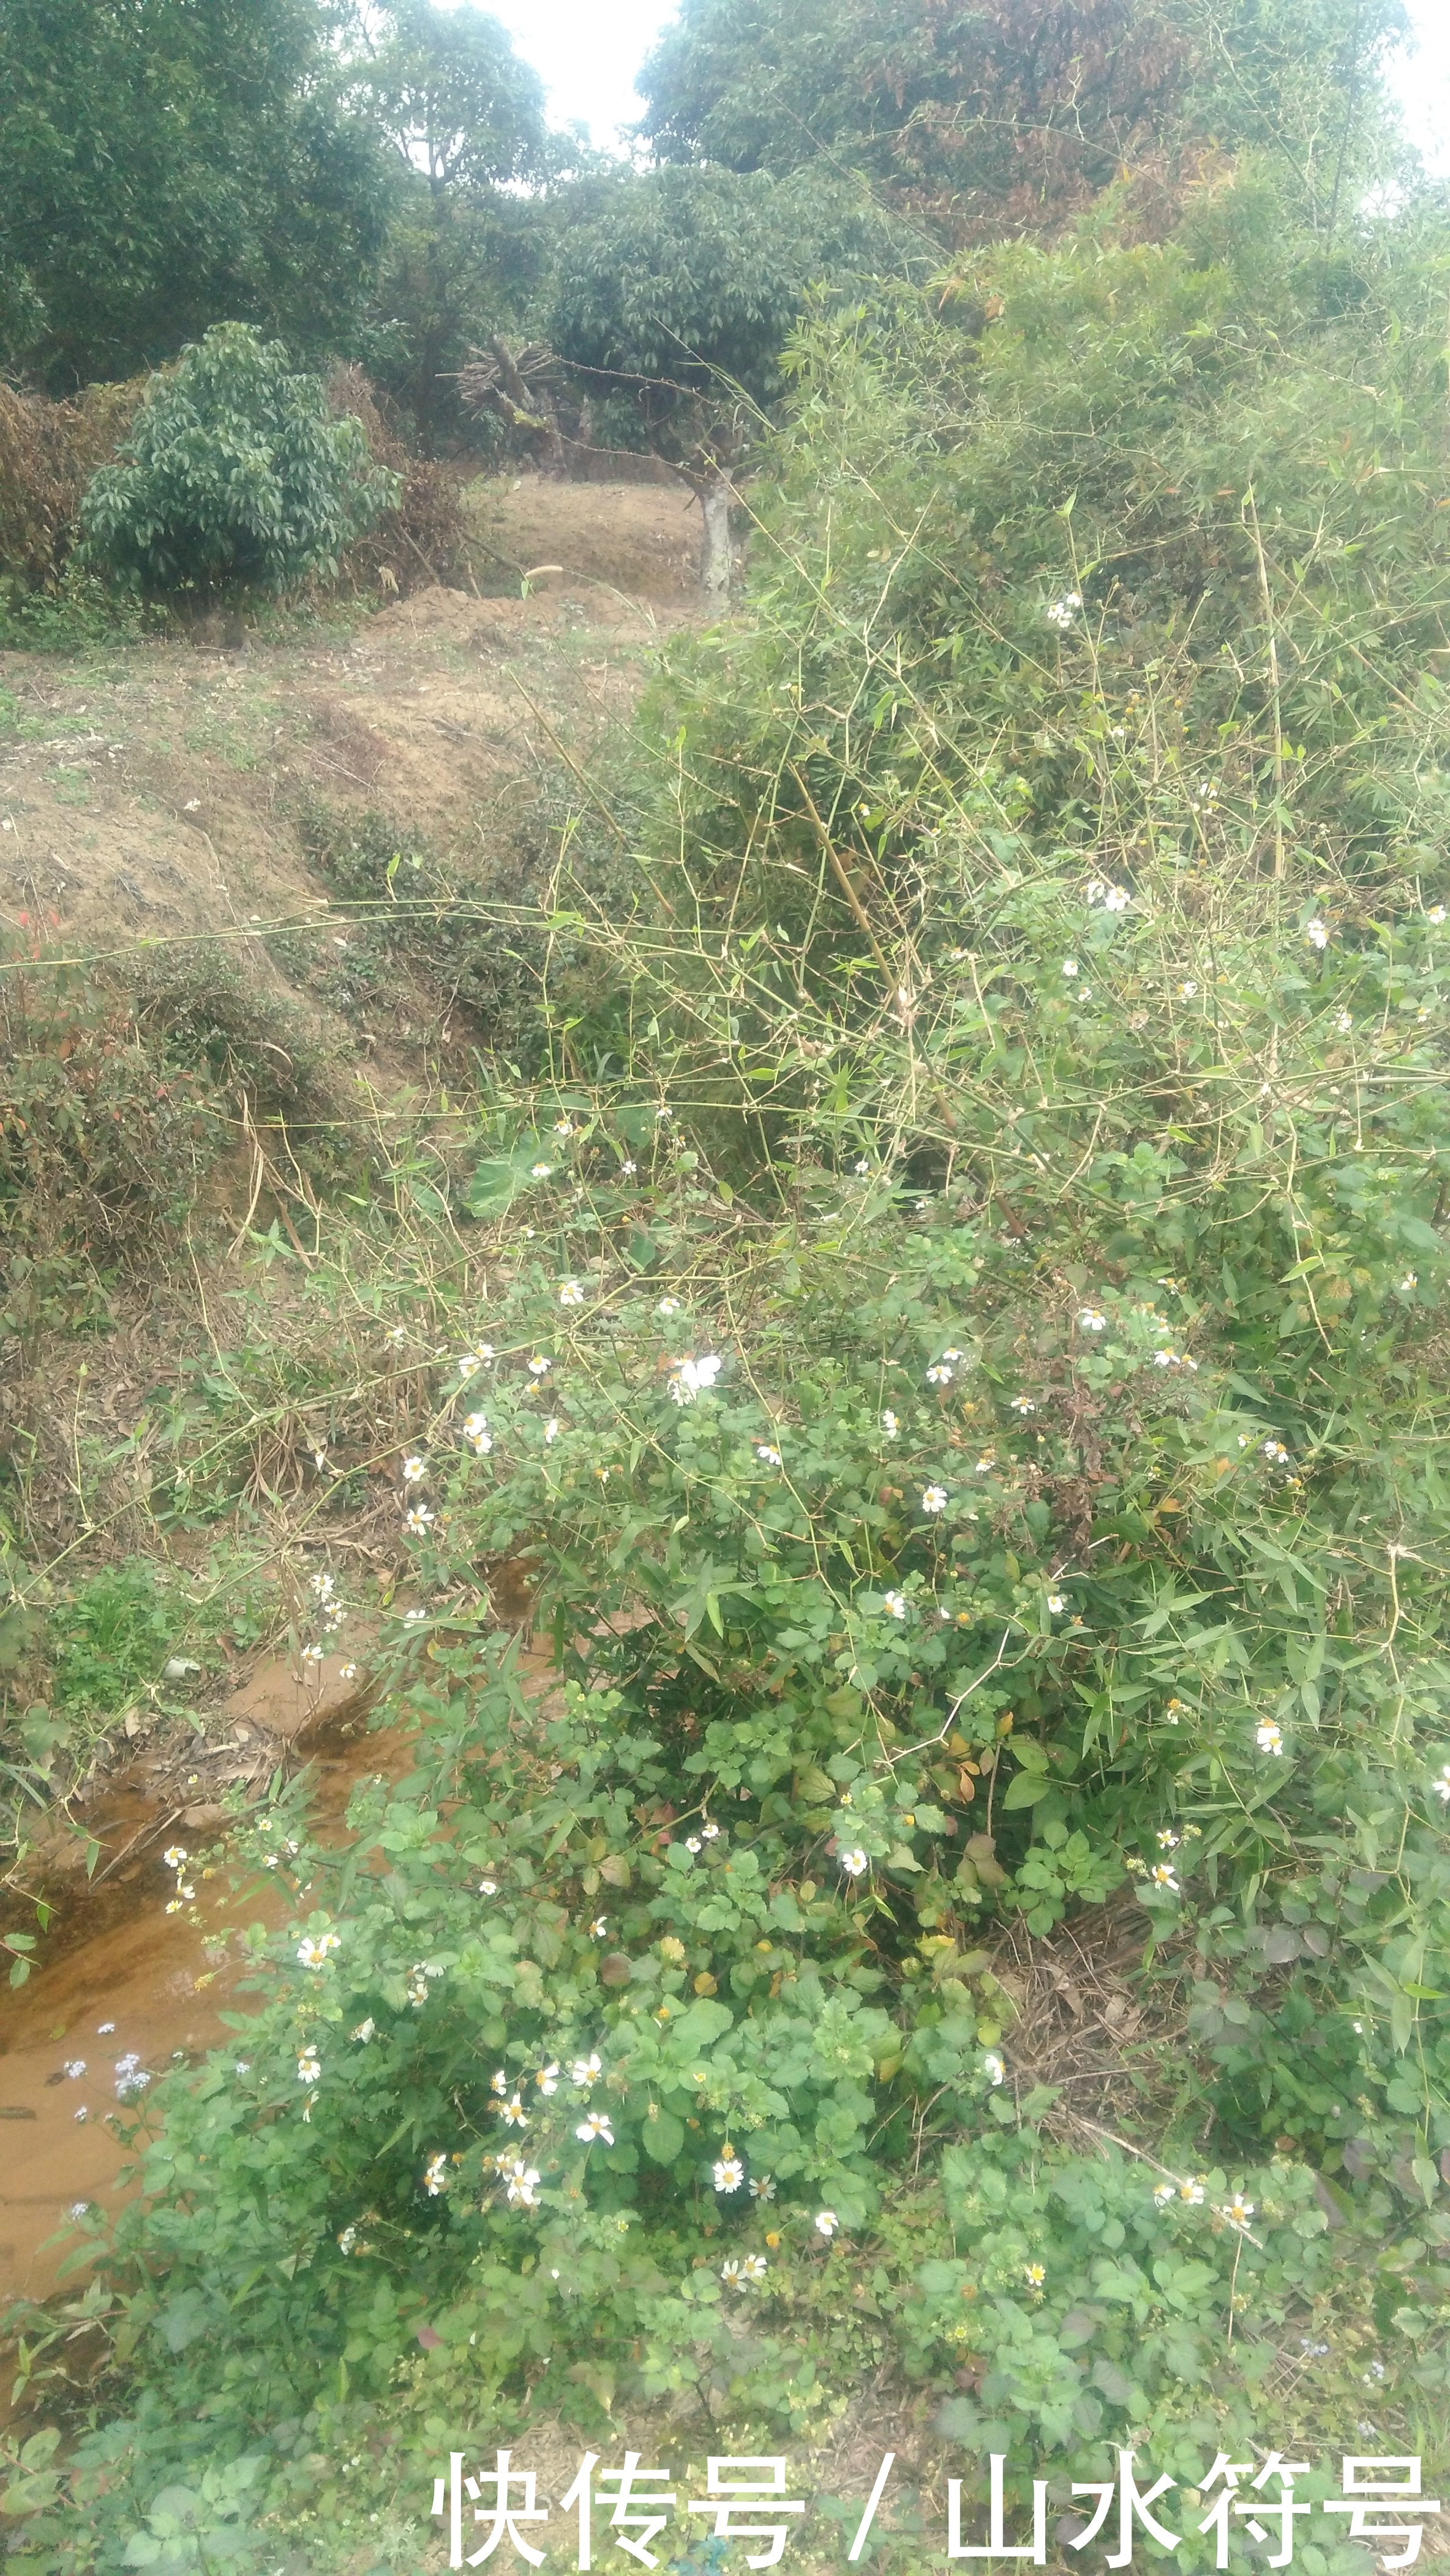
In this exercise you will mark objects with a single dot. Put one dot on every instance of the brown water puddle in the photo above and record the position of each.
(120, 1983)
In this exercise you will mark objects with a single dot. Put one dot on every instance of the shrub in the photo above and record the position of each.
(235, 477)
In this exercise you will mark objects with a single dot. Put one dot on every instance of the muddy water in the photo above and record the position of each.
(123, 1988)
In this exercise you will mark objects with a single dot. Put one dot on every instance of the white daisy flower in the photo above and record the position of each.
(595, 2124)
(571, 1293)
(584, 2072)
(476, 1432)
(414, 1470)
(934, 1499)
(889, 1424)
(826, 2222)
(1091, 1321)
(855, 1862)
(993, 2068)
(728, 2172)
(895, 1602)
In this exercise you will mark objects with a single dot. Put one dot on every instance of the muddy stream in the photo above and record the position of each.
(123, 1990)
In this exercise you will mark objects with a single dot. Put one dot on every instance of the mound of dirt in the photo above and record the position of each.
(151, 795)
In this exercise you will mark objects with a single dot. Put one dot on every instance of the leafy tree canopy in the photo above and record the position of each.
(163, 163)
(235, 476)
(465, 121)
(1023, 108)
(677, 278)
(454, 99)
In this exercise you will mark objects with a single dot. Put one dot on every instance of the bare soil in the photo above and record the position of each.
(150, 794)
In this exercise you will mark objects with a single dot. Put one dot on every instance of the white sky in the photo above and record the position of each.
(588, 52)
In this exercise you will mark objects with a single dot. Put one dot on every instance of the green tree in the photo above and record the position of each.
(1020, 111)
(681, 286)
(162, 165)
(236, 476)
(464, 122)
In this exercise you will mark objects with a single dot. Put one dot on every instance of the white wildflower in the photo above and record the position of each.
(694, 1377)
(728, 2172)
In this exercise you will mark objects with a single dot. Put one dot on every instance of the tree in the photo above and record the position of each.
(162, 164)
(1015, 113)
(464, 122)
(680, 287)
(236, 476)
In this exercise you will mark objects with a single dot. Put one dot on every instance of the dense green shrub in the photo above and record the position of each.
(236, 476)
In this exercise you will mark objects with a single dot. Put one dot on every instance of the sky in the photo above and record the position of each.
(588, 52)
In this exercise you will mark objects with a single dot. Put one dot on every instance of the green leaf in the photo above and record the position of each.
(662, 2138)
(1025, 1788)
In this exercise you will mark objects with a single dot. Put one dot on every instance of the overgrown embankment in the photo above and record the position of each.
(254, 906)
(951, 1313)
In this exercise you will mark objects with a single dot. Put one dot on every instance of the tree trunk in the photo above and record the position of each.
(716, 492)
(533, 410)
